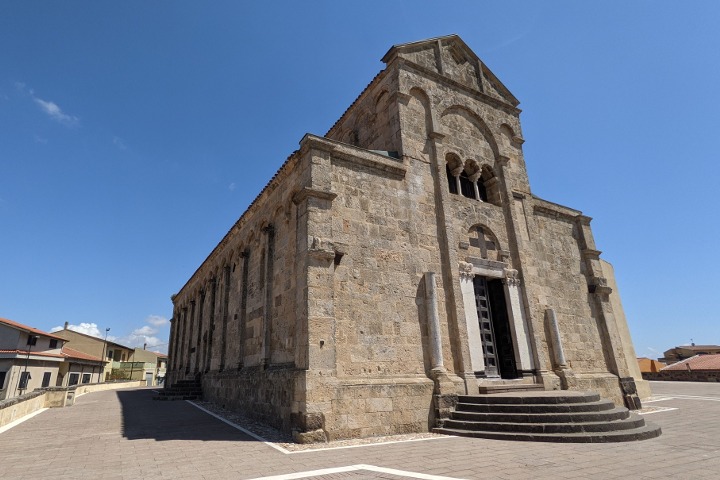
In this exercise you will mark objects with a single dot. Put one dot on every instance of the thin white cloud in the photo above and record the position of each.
(157, 320)
(55, 112)
(39, 139)
(119, 143)
(86, 328)
(232, 186)
(50, 108)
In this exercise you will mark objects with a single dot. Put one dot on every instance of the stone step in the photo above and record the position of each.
(597, 406)
(531, 398)
(617, 413)
(641, 433)
(509, 388)
(634, 421)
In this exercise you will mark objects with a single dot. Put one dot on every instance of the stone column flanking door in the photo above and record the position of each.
(518, 323)
(471, 317)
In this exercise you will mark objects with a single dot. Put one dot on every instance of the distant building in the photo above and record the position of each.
(113, 353)
(29, 358)
(686, 351)
(648, 365)
(79, 368)
(145, 365)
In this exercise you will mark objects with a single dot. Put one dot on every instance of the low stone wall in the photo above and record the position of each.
(53, 397)
(684, 376)
(98, 387)
(15, 408)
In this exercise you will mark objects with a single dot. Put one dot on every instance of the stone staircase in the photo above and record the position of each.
(181, 390)
(547, 416)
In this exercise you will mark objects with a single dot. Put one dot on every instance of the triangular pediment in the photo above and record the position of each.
(450, 57)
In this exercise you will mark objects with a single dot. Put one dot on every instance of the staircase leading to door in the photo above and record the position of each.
(549, 416)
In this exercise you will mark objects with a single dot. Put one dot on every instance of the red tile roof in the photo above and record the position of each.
(41, 354)
(25, 328)
(72, 353)
(698, 362)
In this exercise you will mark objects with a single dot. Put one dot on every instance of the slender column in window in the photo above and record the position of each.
(456, 173)
(226, 302)
(243, 307)
(475, 179)
(173, 341)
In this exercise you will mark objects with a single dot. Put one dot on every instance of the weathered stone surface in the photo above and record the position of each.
(315, 313)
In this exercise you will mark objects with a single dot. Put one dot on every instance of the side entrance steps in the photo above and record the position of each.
(548, 416)
(181, 390)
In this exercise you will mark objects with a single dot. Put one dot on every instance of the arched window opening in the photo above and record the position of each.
(489, 186)
(466, 185)
(452, 182)
(482, 190)
(453, 168)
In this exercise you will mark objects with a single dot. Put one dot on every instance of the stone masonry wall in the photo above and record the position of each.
(236, 319)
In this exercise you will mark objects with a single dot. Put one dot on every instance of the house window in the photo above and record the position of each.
(32, 340)
(53, 343)
(73, 379)
(86, 378)
(110, 354)
(46, 379)
(24, 379)
(2, 380)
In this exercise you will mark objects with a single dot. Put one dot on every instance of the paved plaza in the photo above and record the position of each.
(125, 435)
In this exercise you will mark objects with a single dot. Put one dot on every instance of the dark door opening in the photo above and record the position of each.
(496, 336)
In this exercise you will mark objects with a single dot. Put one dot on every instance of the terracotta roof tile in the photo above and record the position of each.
(698, 362)
(26, 328)
(41, 354)
(72, 353)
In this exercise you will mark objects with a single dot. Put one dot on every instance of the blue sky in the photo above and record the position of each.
(134, 134)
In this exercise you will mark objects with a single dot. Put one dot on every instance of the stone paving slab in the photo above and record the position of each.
(125, 435)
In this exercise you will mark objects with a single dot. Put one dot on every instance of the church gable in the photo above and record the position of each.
(450, 57)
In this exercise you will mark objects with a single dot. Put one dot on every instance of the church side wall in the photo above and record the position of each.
(235, 321)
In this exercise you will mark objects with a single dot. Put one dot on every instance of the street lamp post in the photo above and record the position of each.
(103, 355)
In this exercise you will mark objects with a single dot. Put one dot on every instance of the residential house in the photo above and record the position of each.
(114, 353)
(698, 368)
(79, 368)
(145, 365)
(648, 365)
(29, 358)
(682, 352)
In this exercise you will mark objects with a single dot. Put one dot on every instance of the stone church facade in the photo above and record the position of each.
(398, 261)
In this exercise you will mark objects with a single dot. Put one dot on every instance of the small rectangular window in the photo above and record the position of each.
(86, 378)
(74, 377)
(53, 343)
(24, 380)
(46, 379)
(32, 340)
(2, 380)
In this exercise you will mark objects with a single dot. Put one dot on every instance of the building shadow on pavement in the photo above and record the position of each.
(144, 418)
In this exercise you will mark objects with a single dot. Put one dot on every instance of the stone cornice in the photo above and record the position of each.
(354, 154)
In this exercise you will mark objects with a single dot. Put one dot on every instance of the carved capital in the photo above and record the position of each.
(466, 271)
(512, 277)
(457, 171)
